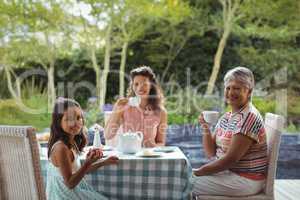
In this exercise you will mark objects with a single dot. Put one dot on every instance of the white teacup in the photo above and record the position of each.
(134, 101)
(211, 117)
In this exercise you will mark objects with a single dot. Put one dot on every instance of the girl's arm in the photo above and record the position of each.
(112, 160)
(114, 120)
(62, 157)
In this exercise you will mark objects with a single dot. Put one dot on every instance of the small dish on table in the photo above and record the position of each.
(166, 149)
(148, 153)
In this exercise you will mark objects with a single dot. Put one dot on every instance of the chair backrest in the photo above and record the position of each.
(20, 172)
(273, 125)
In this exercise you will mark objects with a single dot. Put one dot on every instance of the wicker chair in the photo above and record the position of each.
(20, 172)
(273, 126)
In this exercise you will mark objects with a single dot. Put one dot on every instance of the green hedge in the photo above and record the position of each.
(185, 106)
(12, 114)
(181, 110)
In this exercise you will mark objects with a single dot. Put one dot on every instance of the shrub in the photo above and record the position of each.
(264, 105)
(292, 128)
(184, 106)
(13, 114)
(93, 115)
(294, 106)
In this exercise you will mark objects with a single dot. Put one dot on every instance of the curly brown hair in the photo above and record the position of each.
(156, 97)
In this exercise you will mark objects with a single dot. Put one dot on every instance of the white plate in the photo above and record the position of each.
(164, 149)
(150, 155)
(107, 148)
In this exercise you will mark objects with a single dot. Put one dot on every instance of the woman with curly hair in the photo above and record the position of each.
(142, 110)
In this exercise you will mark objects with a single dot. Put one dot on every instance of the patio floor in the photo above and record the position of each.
(287, 189)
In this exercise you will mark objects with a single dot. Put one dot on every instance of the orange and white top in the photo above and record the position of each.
(249, 123)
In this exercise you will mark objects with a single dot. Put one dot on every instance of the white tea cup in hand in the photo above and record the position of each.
(134, 101)
(211, 117)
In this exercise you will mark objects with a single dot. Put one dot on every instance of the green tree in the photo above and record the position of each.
(10, 23)
(131, 22)
(50, 30)
(97, 35)
(39, 35)
(231, 11)
(270, 34)
(182, 22)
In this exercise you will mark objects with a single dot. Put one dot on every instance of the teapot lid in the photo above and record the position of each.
(131, 133)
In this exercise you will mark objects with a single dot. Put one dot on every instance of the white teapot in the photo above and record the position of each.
(130, 142)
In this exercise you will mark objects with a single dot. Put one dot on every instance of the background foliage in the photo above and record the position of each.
(177, 38)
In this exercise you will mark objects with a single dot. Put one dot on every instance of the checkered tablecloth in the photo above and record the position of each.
(165, 177)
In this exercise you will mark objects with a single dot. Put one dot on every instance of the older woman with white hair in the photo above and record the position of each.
(237, 148)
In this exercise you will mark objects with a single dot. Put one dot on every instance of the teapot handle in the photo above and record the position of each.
(140, 134)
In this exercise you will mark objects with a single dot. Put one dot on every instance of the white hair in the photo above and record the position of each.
(241, 74)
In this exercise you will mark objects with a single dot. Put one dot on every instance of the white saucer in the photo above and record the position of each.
(164, 149)
(150, 155)
(107, 148)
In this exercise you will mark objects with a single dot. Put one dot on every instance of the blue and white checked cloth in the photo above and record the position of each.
(165, 177)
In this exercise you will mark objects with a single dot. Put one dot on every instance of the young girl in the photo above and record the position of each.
(65, 175)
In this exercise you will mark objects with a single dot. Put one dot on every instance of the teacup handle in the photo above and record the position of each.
(140, 134)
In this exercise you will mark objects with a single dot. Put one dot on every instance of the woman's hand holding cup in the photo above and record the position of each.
(208, 118)
(202, 122)
(121, 102)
